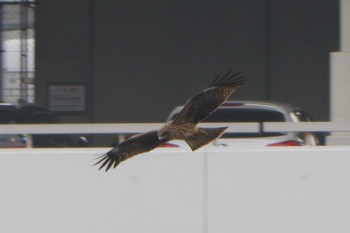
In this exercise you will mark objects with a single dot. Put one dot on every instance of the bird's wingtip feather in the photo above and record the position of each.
(228, 79)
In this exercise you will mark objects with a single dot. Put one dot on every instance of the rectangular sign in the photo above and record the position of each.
(67, 97)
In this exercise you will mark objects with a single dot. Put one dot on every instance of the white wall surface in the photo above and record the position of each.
(248, 190)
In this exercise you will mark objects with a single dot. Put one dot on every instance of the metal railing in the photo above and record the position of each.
(116, 128)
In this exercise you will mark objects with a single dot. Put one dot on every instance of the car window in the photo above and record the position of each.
(10, 140)
(7, 117)
(245, 115)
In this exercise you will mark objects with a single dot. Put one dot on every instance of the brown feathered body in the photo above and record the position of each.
(171, 131)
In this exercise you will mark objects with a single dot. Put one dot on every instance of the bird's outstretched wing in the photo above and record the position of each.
(207, 101)
(132, 146)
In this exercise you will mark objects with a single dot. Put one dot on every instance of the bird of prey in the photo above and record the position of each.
(183, 127)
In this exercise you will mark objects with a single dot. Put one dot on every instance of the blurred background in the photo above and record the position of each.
(127, 61)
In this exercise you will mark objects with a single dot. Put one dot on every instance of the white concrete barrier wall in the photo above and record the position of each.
(302, 189)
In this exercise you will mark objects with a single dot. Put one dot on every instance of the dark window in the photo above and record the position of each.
(247, 115)
(11, 140)
(8, 117)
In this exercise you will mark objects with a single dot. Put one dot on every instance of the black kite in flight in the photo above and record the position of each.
(183, 127)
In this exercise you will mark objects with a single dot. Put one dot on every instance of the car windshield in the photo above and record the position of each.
(247, 115)
(10, 140)
(8, 117)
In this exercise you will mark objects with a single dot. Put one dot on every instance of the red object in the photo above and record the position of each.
(286, 143)
(167, 144)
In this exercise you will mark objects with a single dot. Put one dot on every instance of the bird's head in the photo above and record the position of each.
(164, 133)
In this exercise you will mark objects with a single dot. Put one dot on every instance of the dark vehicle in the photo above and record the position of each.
(33, 114)
(8, 115)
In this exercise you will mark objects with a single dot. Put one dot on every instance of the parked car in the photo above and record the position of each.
(33, 114)
(258, 111)
(9, 115)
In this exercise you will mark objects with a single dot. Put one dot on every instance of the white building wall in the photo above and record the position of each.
(247, 190)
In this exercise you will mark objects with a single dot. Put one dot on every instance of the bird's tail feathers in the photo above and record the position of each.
(204, 136)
